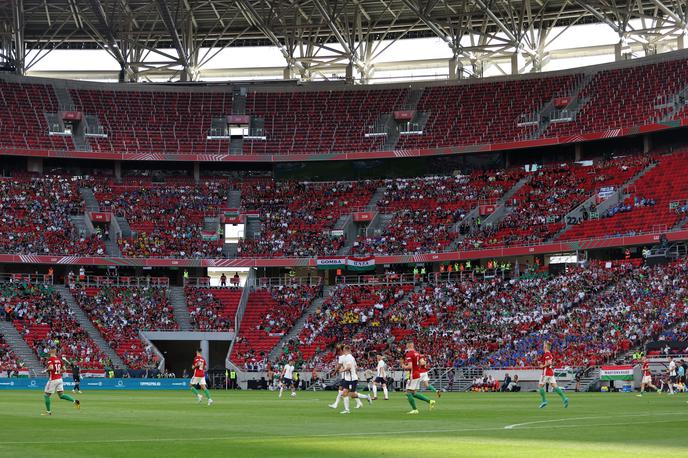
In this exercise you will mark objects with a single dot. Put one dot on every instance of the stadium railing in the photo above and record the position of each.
(100, 281)
(45, 279)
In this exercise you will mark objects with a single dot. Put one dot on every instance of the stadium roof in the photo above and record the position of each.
(310, 34)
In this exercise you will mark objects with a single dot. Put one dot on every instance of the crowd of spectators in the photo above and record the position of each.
(297, 218)
(119, 313)
(45, 321)
(35, 216)
(9, 362)
(206, 310)
(168, 220)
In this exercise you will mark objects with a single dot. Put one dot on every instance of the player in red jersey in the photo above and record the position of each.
(424, 378)
(55, 384)
(548, 377)
(412, 363)
(198, 379)
(647, 378)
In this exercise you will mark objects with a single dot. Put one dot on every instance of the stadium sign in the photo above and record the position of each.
(616, 372)
(100, 384)
(331, 263)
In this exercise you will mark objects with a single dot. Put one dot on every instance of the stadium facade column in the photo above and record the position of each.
(681, 40)
(455, 68)
(197, 171)
(647, 143)
(577, 151)
(516, 63)
(34, 164)
(205, 351)
(118, 170)
(288, 73)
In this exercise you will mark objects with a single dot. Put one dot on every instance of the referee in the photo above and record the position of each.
(76, 376)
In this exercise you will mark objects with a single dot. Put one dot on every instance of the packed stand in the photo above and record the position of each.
(35, 217)
(9, 362)
(297, 217)
(45, 321)
(427, 210)
(168, 219)
(207, 310)
(119, 313)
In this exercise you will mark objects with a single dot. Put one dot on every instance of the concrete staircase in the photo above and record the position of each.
(89, 199)
(66, 103)
(124, 226)
(234, 198)
(180, 308)
(79, 222)
(112, 248)
(252, 228)
(377, 196)
(86, 324)
(20, 347)
(298, 326)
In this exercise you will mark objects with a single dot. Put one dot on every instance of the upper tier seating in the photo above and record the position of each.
(119, 313)
(168, 219)
(35, 216)
(297, 217)
(307, 121)
(656, 202)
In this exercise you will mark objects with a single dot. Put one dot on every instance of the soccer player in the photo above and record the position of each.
(76, 376)
(337, 370)
(380, 378)
(412, 363)
(349, 370)
(548, 377)
(288, 378)
(672, 374)
(55, 383)
(198, 380)
(424, 378)
(647, 378)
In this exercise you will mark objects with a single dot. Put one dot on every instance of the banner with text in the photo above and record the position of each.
(99, 384)
(616, 373)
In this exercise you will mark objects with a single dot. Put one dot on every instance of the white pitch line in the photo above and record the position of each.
(516, 425)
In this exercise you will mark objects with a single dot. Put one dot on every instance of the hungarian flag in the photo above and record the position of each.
(616, 372)
(364, 263)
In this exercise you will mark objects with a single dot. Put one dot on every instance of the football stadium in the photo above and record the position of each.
(343, 228)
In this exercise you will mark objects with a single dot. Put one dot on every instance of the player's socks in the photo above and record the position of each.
(422, 397)
(542, 394)
(384, 390)
(346, 404)
(280, 393)
(66, 397)
(432, 388)
(561, 394)
(411, 401)
(47, 403)
(359, 404)
(195, 391)
(206, 392)
(362, 396)
(336, 401)
(374, 390)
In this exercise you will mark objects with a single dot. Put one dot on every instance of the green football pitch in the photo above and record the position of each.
(246, 424)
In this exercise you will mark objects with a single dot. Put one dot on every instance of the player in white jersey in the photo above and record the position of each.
(380, 377)
(349, 371)
(288, 378)
(337, 369)
(672, 374)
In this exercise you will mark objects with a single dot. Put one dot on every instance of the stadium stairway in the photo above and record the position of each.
(89, 199)
(377, 195)
(234, 198)
(20, 347)
(298, 326)
(603, 206)
(124, 226)
(180, 308)
(87, 326)
(112, 248)
(83, 225)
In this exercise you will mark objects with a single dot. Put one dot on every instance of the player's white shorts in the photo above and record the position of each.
(197, 381)
(413, 384)
(647, 379)
(544, 379)
(54, 385)
(424, 377)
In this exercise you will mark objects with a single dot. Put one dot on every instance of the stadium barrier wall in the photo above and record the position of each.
(99, 384)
